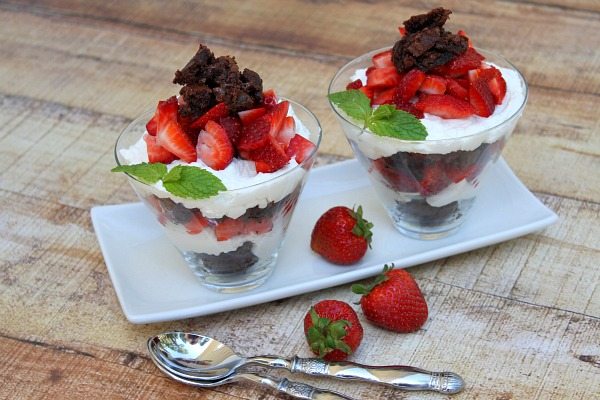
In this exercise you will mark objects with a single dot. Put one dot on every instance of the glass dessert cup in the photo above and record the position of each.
(230, 241)
(427, 187)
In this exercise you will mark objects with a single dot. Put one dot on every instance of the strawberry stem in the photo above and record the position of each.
(365, 289)
(325, 335)
(362, 228)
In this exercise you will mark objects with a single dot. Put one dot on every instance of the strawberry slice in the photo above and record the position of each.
(433, 84)
(497, 86)
(300, 148)
(216, 112)
(383, 77)
(357, 84)
(409, 108)
(383, 59)
(481, 98)
(214, 147)
(269, 98)
(453, 88)
(256, 134)
(461, 64)
(444, 106)
(278, 113)
(395, 177)
(169, 133)
(157, 154)
(385, 96)
(402, 30)
(152, 124)
(270, 157)
(228, 228)
(494, 79)
(368, 91)
(458, 174)
(197, 223)
(410, 83)
(233, 127)
(464, 34)
(247, 116)
(434, 179)
(287, 131)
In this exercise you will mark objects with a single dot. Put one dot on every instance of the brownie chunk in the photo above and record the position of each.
(208, 80)
(427, 44)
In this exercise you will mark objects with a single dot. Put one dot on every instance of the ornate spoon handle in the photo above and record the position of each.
(295, 389)
(398, 376)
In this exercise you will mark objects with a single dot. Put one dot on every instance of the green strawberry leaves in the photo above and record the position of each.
(325, 335)
(359, 288)
(182, 180)
(362, 228)
(384, 120)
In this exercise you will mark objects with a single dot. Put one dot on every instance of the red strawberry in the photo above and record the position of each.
(458, 174)
(464, 34)
(394, 177)
(481, 98)
(233, 127)
(214, 147)
(385, 96)
(169, 133)
(357, 84)
(341, 235)
(461, 64)
(410, 83)
(216, 112)
(247, 116)
(287, 131)
(393, 301)
(270, 157)
(157, 154)
(433, 84)
(332, 330)
(255, 134)
(434, 179)
(444, 106)
(196, 224)
(456, 90)
(278, 113)
(368, 91)
(383, 77)
(300, 148)
(269, 98)
(151, 125)
(409, 108)
(229, 227)
(497, 86)
(383, 59)
(402, 30)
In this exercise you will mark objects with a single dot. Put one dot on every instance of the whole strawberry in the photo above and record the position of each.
(332, 330)
(393, 301)
(341, 235)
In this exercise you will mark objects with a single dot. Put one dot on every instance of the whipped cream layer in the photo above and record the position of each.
(448, 135)
(245, 187)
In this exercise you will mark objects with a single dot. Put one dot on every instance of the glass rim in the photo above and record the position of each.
(147, 114)
(371, 53)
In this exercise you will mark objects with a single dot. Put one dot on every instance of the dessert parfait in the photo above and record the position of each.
(221, 166)
(426, 117)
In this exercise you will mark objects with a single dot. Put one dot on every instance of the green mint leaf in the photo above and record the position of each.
(396, 124)
(354, 103)
(145, 172)
(192, 182)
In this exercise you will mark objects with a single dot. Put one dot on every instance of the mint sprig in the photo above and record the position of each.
(183, 181)
(384, 120)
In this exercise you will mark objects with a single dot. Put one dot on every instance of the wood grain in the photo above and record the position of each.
(519, 320)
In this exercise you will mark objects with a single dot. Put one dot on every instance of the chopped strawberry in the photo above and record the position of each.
(367, 91)
(170, 135)
(271, 156)
(409, 108)
(186, 124)
(357, 84)
(383, 59)
(433, 84)
(216, 112)
(402, 30)
(214, 147)
(481, 98)
(444, 106)
(247, 116)
(269, 98)
(461, 64)
(458, 174)
(151, 124)
(395, 177)
(385, 96)
(383, 77)
(156, 154)
(255, 134)
(498, 88)
(464, 34)
(233, 127)
(494, 79)
(228, 228)
(278, 113)
(287, 131)
(197, 223)
(300, 148)
(453, 88)
(410, 83)
(434, 179)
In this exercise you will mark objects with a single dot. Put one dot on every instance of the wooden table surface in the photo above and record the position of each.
(518, 320)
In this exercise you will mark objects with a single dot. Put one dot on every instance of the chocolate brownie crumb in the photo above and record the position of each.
(208, 80)
(427, 44)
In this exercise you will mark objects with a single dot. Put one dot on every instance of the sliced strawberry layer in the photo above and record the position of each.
(287, 131)
(383, 77)
(481, 98)
(269, 98)
(300, 148)
(214, 147)
(278, 113)
(409, 108)
(458, 174)
(196, 224)
(460, 65)
(233, 127)
(397, 179)
(248, 116)
(385, 96)
(156, 153)
(453, 88)
(433, 84)
(434, 179)
(216, 112)
(444, 106)
(270, 157)
(228, 228)
(383, 59)
(170, 135)
(255, 134)
(410, 83)
(367, 91)
(151, 125)
(357, 84)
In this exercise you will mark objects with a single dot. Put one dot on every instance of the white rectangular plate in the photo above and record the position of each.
(154, 284)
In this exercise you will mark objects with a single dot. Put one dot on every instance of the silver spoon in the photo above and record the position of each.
(197, 357)
(295, 389)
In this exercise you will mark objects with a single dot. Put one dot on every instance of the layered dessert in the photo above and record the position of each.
(437, 111)
(221, 165)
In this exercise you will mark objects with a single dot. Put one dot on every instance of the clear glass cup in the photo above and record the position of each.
(399, 169)
(231, 240)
